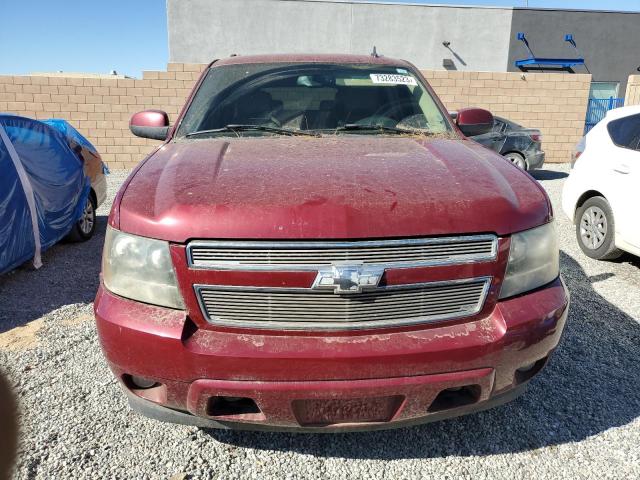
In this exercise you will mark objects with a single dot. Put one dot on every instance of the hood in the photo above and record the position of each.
(343, 187)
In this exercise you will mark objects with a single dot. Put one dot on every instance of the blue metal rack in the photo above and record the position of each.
(597, 109)
(541, 63)
(534, 63)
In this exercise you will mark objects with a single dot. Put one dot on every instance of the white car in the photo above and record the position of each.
(602, 193)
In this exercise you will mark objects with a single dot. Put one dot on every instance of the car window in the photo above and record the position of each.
(498, 125)
(315, 97)
(625, 132)
(512, 126)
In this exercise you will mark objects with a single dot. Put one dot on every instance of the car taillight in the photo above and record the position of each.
(536, 137)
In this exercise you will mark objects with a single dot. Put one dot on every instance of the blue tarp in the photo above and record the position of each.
(54, 173)
(71, 134)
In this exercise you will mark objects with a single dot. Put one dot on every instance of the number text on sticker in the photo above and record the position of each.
(392, 79)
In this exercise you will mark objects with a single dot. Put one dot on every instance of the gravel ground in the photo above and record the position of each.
(579, 419)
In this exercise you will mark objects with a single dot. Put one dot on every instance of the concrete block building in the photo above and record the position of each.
(433, 37)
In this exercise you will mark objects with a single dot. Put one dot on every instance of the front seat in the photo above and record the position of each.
(323, 118)
(254, 109)
(355, 103)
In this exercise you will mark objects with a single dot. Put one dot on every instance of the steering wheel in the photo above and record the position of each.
(273, 120)
(266, 120)
(388, 109)
(385, 114)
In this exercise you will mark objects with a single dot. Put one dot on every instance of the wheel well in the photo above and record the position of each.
(515, 151)
(524, 157)
(93, 196)
(583, 198)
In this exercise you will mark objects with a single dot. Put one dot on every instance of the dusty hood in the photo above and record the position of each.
(335, 188)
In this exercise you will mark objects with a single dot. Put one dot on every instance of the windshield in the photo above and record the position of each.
(318, 98)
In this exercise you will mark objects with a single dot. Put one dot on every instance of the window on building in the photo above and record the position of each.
(604, 90)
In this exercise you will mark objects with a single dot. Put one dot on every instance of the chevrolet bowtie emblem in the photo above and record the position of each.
(345, 279)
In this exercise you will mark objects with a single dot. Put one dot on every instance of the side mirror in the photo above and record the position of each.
(474, 121)
(152, 124)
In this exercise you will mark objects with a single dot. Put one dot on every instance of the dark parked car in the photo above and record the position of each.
(318, 246)
(520, 145)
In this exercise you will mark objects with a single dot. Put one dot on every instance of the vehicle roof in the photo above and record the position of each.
(313, 58)
(622, 112)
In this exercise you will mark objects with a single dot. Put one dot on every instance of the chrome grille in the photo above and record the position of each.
(311, 255)
(305, 308)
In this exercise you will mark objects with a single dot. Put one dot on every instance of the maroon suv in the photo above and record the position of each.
(318, 246)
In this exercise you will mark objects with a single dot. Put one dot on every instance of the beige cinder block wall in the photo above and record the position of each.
(100, 108)
(632, 96)
(554, 103)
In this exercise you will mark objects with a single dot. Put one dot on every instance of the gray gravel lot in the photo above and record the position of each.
(579, 419)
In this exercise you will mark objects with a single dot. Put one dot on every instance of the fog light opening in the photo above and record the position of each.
(455, 397)
(527, 372)
(141, 383)
(231, 406)
(526, 368)
(145, 388)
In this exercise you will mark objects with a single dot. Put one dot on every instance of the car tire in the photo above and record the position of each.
(517, 159)
(84, 228)
(595, 229)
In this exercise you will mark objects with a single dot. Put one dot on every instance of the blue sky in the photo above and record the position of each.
(83, 36)
(131, 35)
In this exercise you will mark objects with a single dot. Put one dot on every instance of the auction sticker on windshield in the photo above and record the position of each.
(393, 79)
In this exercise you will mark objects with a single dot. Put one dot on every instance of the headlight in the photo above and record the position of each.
(140, 268)
(534, 260)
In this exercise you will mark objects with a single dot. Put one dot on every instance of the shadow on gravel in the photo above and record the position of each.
(628, 258)
(70, 274)
(590, 385)
(548, 174)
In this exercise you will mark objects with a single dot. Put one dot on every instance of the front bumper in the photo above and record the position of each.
(99, 186)
(571, 192)
(328, 382)
(158, 412)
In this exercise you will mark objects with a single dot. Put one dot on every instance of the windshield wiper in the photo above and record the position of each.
(382, 128)
(245, 128)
